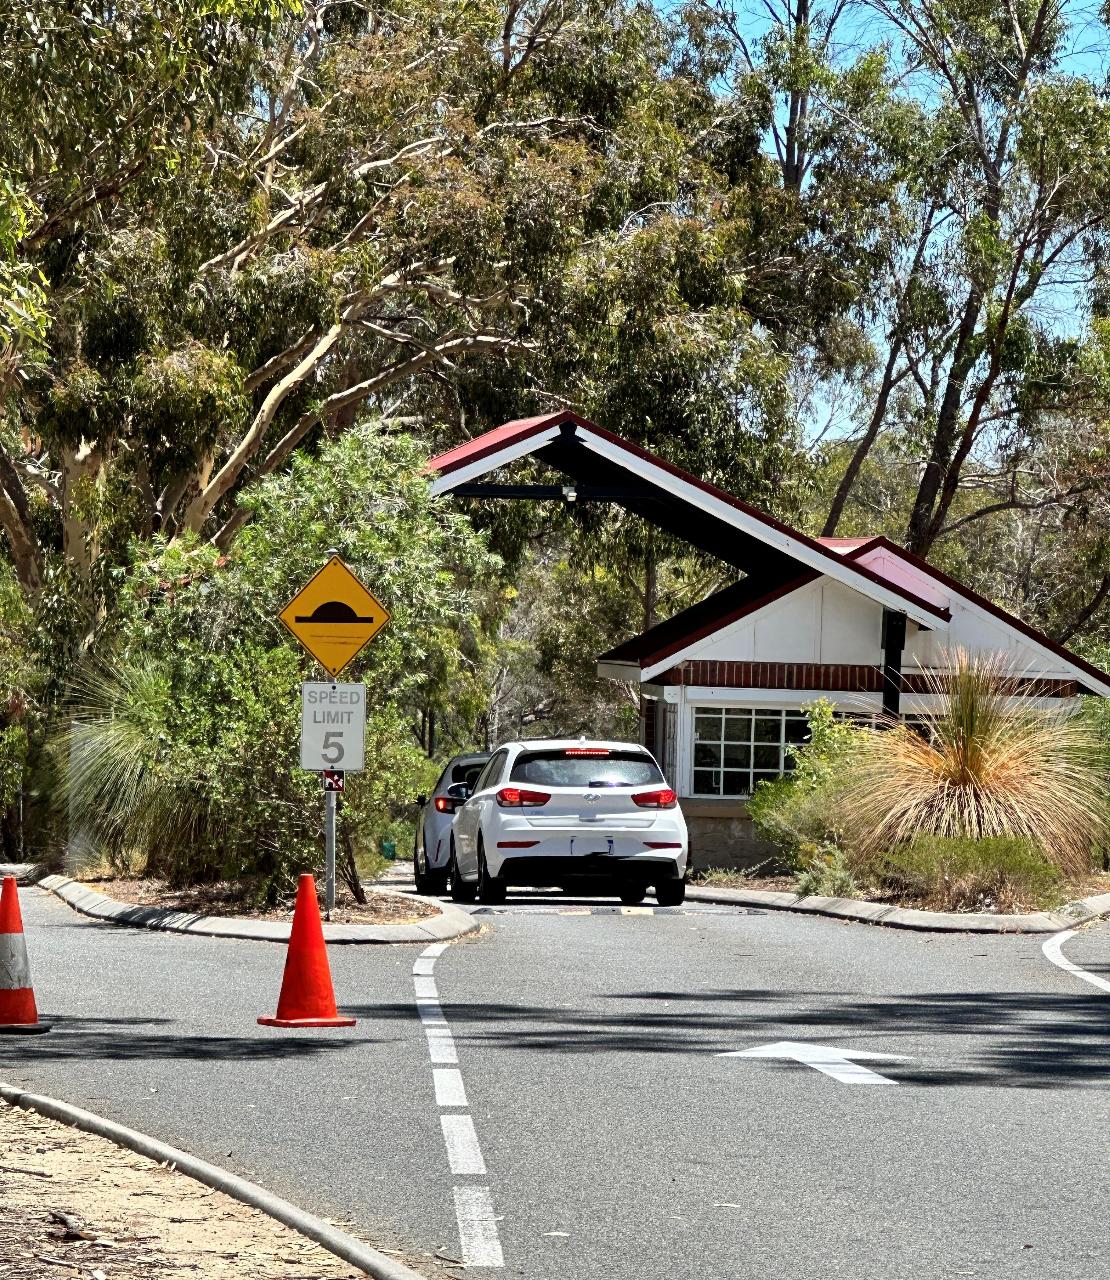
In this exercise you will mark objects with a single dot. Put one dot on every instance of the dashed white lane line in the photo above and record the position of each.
(478, 1227)
(1053, 950)
(463, 1153)
(480, 1243)
(450, 1091)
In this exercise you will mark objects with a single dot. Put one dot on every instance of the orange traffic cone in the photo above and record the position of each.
(307, 998)
(18, 1013)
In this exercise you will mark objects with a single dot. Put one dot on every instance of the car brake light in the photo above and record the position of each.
(517, 798)
(664, 799)
(444, 804)
(586, 751)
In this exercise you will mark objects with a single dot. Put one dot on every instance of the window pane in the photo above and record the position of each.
(707, 727)
(768, 728)
(737, 756)
(797, 729)
(736, 782)
(738, 726)
(766, 777)
(707, 755)
(767, 758)
(706, 782)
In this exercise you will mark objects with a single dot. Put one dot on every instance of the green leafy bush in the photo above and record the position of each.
(998, 873)
(826, 875)
(801, 814)
(180, 754)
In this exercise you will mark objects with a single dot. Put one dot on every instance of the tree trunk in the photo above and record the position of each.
(863, 448)
(947, 431)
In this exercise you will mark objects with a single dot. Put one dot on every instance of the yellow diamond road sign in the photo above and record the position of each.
(334, 616)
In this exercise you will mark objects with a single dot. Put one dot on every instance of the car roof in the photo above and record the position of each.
(556, 744)
(468, 757)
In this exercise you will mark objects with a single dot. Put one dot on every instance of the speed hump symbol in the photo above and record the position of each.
(334, 616)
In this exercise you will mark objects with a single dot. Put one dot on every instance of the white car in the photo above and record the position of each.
(572, 813)
(432, 842)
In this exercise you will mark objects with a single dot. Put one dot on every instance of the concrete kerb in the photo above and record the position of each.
(451, 922)
(1074, 913)
(324, 1234)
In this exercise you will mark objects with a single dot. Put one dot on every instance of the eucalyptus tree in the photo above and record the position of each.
(1007, 254)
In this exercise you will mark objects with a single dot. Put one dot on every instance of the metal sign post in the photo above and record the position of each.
(334, 617)
(329, 852)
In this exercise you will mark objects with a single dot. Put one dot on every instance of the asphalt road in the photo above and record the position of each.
(617, 1143)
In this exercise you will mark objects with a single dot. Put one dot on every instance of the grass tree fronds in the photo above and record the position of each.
(119, 782)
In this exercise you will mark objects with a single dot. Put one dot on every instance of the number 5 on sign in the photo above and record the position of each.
(333, 726)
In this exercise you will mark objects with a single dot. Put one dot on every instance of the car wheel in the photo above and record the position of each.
(419, 875)
(670, 893)
(461, 890)
(630, 894)
(490, 888)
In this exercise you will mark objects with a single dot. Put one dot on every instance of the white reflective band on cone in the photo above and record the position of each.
(15, 972)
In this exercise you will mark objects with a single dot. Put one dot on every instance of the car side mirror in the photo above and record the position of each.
(421, 801)
(458, 791)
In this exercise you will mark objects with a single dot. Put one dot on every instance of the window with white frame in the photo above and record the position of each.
(736, 747)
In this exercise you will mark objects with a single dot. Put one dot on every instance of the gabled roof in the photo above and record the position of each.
(768, 551)
(1099, 680)
(668, 639)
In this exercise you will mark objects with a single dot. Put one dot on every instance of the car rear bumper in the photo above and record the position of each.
(601, 868)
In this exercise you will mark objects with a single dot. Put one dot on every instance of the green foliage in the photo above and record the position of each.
(998, 873)
(826, 874)
(801, 813)
(181, 751)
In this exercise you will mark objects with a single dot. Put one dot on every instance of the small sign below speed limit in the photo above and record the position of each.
(333, 727)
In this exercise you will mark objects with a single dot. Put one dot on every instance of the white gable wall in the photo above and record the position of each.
(822, 622)
(826, 622)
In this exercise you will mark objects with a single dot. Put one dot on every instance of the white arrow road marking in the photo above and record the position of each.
(838, 1063)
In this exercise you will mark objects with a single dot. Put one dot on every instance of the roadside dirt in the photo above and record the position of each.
(74, 1205)
(226, 898)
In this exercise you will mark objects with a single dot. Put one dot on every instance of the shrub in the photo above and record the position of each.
(180, 753)
(802, 813)
(826, 875)
(995, 765)
(1000, 873)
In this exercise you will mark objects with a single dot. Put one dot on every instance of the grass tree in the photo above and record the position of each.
(996, 763)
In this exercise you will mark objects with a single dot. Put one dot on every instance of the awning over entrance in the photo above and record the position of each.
(599, 465)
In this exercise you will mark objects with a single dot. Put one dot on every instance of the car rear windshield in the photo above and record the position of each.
(573, 767)
(468, 770)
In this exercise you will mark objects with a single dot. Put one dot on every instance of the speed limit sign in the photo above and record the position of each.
(333, 726)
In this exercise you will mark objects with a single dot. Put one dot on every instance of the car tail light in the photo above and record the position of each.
(444, 804)
(663, 844)
(664, 799)
(517, 844)
(518, 798)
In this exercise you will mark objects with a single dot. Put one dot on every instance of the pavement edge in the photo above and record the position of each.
(1073, 913)
(451, 922)
(307, 1224)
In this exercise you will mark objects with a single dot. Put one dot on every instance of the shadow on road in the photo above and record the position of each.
(1008, 1040)
(127, 1039)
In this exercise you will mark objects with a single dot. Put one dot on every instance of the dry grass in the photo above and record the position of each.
(996, 766)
